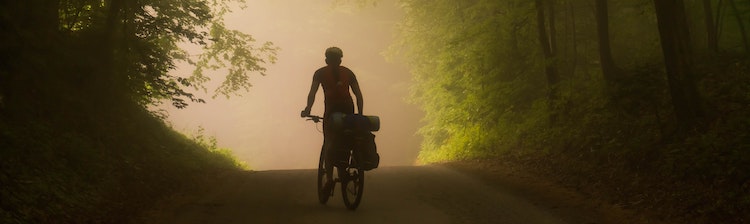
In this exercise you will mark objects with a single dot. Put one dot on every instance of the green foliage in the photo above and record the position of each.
(233, 47)
(143, 42)
(77, 144)
(479, 77)
(211, 144)
(460, 63)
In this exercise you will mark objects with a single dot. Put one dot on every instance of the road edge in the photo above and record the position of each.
(572, 205)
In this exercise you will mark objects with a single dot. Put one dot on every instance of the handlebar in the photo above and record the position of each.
(314, 118)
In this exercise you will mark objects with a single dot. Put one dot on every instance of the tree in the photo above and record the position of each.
(675, 42)
(547, 42)
(741, 25)
(609, 69)
(129, 47)
(712, 34)
(167, 23)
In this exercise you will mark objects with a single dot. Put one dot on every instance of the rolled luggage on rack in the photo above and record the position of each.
(356, 122)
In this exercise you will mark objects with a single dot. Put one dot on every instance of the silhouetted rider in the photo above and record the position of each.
(336, 81)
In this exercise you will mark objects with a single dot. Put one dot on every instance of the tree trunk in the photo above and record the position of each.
(105, 79)
(39, 16)
(712, 39)
(720, 11)
(50, 16)
(741, 25)
(609, 69)
(673, 31)
(574, 43)
(552, 30)
(549, 67)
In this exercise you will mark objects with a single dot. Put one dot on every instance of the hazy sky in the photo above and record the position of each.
(263, 126)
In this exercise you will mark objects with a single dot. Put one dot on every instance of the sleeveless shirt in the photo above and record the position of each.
(336, 88)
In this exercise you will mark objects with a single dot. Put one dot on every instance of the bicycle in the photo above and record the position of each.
(351, 177)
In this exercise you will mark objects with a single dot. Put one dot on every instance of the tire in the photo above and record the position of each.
(322, 196)
(352, 186)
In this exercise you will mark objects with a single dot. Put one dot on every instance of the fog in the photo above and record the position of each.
(263, 128)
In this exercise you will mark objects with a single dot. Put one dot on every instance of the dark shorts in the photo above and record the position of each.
(345, 107)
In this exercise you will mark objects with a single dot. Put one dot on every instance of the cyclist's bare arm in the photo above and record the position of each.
(311, 96)
(358, 94)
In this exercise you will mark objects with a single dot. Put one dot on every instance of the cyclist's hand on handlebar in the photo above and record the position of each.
(304, 113)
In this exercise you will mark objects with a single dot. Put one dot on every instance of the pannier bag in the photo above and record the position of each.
(338, 156)
(361, 128)
(367, 152)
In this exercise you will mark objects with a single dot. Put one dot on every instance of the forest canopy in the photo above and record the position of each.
(495, 74)
(78, 78)
(128, 48)
(658, 87)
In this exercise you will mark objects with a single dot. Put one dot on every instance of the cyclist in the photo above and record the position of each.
(336, 81)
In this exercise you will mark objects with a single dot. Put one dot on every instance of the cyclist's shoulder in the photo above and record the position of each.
(321, 70)
(345, 68)
(348, 71)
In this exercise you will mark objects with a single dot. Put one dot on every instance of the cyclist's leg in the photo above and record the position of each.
(331, 137)
(328, 147)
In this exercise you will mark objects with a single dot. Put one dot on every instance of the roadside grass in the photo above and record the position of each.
(96, 165)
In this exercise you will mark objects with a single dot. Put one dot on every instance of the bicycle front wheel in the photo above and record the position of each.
(352, 186)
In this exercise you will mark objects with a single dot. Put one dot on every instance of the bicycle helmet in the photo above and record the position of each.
(334, 52)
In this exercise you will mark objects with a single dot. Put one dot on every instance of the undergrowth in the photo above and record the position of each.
(70, 159)
(627, 150)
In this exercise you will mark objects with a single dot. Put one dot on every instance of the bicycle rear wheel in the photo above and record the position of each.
(352, 185)
(322, 196)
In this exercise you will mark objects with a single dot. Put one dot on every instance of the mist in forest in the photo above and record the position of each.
(263, 127)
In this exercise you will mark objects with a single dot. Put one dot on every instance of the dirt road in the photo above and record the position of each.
(426, 194)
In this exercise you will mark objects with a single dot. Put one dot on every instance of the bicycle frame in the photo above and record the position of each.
(349, 175)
